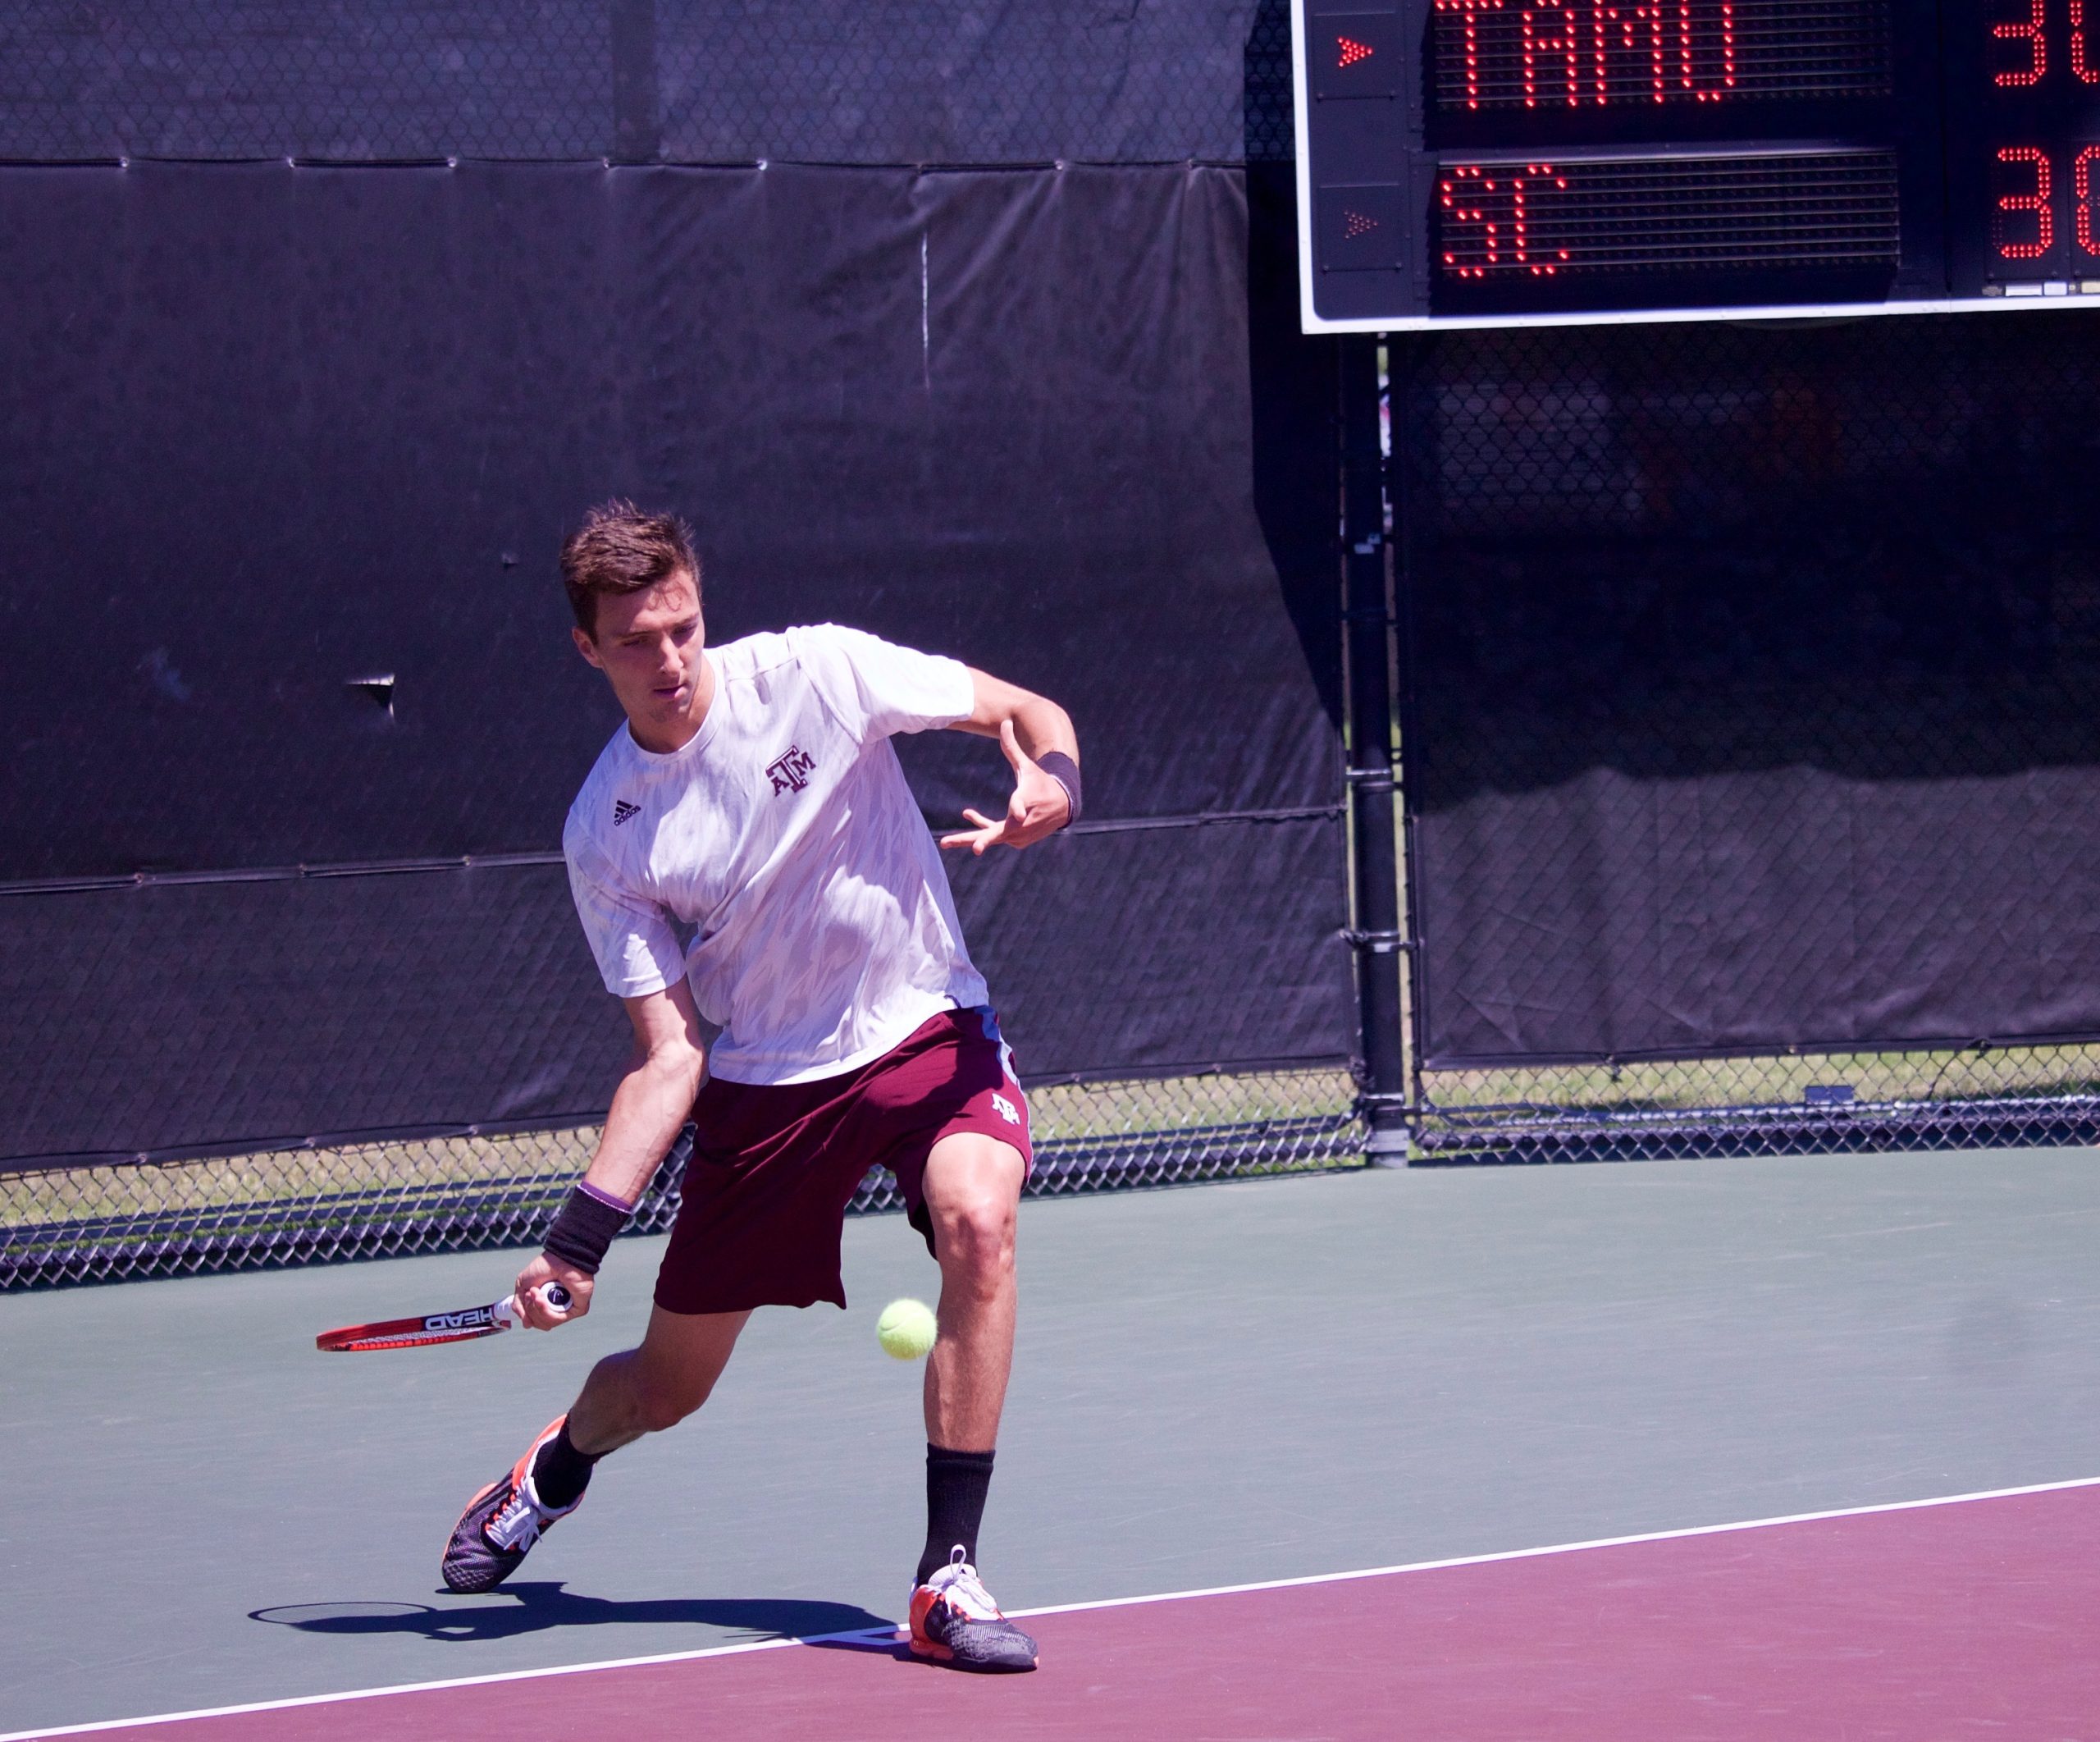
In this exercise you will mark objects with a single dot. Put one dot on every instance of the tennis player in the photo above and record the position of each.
(746, 849)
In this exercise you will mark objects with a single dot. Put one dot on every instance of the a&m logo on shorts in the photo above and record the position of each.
(1005, 1109)
(791, 773)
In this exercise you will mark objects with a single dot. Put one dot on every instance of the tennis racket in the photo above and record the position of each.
(461, 1326)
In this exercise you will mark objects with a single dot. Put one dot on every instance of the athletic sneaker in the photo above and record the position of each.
(954, 1621)
(501, 1524)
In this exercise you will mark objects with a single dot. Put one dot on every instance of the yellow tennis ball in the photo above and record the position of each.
(906, 1329)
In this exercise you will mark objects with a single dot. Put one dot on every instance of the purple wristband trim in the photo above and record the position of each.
(606, 1198)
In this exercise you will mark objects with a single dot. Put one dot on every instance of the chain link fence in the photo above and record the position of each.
(1752, 736)
(1780, 1104)
(468, 1192)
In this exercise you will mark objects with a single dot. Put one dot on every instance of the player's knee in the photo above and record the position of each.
(976, 1236)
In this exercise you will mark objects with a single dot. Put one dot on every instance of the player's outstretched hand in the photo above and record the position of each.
(533, 1306)
(1039, 806)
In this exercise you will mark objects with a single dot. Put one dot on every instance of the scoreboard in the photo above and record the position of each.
(1486, 163)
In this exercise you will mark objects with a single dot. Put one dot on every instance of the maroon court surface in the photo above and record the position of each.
(1978, 1617)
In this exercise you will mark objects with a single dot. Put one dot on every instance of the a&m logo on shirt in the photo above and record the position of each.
(791, 773)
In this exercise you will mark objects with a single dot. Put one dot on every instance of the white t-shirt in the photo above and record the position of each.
(779, 861)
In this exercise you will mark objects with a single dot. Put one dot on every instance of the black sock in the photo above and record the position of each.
(560, 1473)
(957, 1483)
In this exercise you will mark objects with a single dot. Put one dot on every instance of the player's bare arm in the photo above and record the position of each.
(1033, 731)
(653, 1098)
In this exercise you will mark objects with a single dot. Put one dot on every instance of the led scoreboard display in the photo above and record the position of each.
(1468, 163)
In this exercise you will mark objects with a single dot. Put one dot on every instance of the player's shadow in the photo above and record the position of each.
(530, 1608)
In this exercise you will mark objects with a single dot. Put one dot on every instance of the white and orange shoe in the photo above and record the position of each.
(501, 1524)
(955, 1621)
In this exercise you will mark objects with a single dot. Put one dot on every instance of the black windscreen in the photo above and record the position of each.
(1756, 685)
(291, 451)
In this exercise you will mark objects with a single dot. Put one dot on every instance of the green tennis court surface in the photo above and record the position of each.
(1219, 1385)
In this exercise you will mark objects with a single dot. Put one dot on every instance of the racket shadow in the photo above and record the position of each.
(539, 1607)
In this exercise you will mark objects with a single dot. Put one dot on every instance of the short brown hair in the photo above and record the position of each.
(619, 549)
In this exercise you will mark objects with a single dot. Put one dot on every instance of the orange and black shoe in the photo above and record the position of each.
(955, 1621)
(501, 1524)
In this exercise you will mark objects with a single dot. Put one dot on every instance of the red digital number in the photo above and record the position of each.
(2081, 184)
(2024, 227)
(2037, 203)
(2030, 30)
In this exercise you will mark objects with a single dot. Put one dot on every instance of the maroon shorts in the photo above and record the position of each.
(774, 1165)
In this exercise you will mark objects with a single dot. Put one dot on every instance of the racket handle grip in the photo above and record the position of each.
(553, 1293)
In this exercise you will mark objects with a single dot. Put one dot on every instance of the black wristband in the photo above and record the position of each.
(583, 1228)
(1065, 772)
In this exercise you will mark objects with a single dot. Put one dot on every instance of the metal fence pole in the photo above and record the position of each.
(1377, 937)
(1401, 355)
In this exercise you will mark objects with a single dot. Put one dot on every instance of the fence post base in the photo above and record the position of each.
(1389, 1144)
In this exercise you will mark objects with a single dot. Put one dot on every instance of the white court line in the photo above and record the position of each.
(872, 1633)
